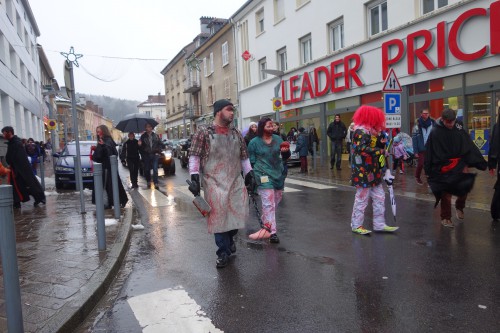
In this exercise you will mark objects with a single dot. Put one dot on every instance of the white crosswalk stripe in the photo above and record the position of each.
(156, 198)
(170, 310)
(308, 184)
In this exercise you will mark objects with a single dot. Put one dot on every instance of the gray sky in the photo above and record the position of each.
(103, 29)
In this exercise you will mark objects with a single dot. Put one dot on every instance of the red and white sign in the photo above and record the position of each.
(417, 52)
(246, 55)
(391, 83)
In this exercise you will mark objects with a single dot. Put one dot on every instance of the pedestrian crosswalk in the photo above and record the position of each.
(170, 310)
(158, 199)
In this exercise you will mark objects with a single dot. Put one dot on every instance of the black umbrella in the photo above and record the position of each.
(135, 122)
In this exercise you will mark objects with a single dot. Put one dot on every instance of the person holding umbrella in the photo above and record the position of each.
(367, 163)
(150, 147)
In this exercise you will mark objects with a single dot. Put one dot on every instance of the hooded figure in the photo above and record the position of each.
(252, 132)
(449, 152)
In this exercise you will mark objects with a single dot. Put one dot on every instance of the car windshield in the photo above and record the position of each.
(71, 149)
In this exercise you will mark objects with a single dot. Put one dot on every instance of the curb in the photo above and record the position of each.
(73, 314)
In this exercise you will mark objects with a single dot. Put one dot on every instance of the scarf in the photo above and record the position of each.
(424, 123)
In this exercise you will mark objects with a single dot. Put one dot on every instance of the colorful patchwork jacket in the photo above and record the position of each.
(367, 160)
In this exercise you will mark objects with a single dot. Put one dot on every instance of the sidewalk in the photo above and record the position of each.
(62, 274)
(404, 184)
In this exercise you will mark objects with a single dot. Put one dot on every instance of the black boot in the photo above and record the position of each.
(222, 260)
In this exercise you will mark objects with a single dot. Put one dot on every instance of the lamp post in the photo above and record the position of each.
(279, 74)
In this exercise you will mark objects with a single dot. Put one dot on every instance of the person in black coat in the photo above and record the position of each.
(106, 147)
(130, 153)
(449, 152)
(24, 182)
(336, 132)
(493, 166)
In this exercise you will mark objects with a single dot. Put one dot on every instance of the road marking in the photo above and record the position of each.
(156, 198)
(185, 190)
(308, 184)
(170, 310)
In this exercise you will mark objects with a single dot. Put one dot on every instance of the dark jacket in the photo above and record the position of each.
(156, 147)
(249, 136)
(22, 179)
(448, 152)
(130, 150)
(313, 137)
(336, 131)
(302, 146)
(418, 135)
(102, 155)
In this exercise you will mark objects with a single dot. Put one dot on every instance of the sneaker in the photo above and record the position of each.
(447, 223)
(274, 239)
(460, 214)
(419, 181)
(387, 229)
(222, 261)
(361, 231)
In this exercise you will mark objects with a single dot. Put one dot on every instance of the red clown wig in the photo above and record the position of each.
(369, 117)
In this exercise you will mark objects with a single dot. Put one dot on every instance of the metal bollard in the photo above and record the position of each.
(99, 207)
(42, 173)
(114, 182)
(77, 183)
(9, 262)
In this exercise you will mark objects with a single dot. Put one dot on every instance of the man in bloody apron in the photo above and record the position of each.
(218, 152)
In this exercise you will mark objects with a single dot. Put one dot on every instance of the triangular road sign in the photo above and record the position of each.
(391, 83)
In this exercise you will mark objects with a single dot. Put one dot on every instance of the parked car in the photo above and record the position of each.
(64, 170)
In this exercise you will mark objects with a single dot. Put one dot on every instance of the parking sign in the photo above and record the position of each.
(392, 103)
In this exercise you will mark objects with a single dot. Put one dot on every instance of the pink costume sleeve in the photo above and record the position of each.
(194, 164)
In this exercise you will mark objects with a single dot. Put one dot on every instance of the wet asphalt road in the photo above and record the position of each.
(321, 277)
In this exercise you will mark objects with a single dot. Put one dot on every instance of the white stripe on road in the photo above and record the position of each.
(185, 190)
(308, 184)
(170, 310)
(156, 198)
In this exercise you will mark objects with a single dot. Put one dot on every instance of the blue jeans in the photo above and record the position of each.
(224, 240)
(336, 154)
(150, 161)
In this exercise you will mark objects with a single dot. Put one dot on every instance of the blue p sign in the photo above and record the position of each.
(392, 103)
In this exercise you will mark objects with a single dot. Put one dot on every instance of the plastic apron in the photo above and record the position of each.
(223, 184)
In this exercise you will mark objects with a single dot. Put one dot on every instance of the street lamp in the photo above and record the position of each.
(279, 74)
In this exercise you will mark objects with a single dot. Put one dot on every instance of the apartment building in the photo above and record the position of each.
(330, 57)
(155, 107)
(202, 72)
(20, 93)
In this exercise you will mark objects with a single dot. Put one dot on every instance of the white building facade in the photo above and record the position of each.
(333, 56)
(20, 93)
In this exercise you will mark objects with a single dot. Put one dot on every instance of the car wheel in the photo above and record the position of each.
(184, 164)
(172, 168)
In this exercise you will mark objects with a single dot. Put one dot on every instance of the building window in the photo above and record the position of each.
(377, 14)
(279, 10)
(210, 95)
(300, 3)
(211, 62)
(262, 65)
(430, 5)
(225, 54)
(336, 34)
(306, 49)
(259, 21)
(281, 55)
(227, 88)
(205, 67)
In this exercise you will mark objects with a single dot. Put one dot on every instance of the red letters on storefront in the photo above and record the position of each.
(444, 43)
(343, 74)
